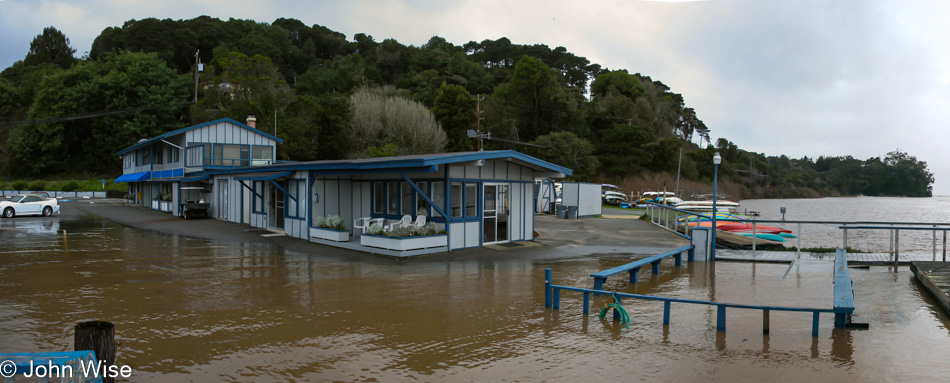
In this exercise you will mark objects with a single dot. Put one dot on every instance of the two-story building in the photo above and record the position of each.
(159, 167)
(476, 198)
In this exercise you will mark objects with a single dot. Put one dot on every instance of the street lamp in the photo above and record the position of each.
(716, 161)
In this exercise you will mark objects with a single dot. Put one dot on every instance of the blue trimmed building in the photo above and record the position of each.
(479, 198)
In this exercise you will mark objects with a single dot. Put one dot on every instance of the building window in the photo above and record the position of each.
(159, 157)
(392, 192)
(422, 206)
(471, 199)
(379, 197)
(262, 155)
(456, 199)
(146, 157)
(298, 190)
(207, 154)
(406, 198)
(438, 197)
(258, 197)
(175, 154)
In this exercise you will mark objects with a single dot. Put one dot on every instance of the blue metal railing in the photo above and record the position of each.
(634, 267)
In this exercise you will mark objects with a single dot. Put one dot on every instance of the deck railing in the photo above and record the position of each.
(843, 305)
(670, 218)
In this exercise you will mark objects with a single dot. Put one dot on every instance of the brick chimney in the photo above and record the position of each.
(252, 121)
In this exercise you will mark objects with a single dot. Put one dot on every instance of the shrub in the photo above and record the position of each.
(69, 186)
(37, 185)
(334, 222)
(20, 185)
(401, 232)
(375, 229)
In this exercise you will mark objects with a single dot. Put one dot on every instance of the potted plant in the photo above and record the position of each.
(166, 202)
(330, 228)
(404, 238)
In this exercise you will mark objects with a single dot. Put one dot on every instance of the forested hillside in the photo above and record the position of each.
(332, 97)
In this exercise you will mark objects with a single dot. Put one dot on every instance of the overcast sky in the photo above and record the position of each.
(800, 78)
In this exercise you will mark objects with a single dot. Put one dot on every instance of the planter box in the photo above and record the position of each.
(166, 206)
(330, 234)
(402, 244)
(154, 204)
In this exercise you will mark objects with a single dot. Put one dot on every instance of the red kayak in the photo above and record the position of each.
(742, 226)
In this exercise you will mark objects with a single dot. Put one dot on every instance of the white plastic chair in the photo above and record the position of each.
(405, 221)
(420, 221)
(362, 224)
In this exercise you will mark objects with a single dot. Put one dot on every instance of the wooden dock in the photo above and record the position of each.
(935, 277)
(863, 259)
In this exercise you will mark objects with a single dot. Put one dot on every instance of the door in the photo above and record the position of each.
(222, 186)
(275, 207)
(495, 213)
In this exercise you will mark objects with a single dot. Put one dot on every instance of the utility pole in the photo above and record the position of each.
(478, 121)
(197, 73)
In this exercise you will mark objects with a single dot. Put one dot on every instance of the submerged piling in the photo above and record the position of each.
(98, 336)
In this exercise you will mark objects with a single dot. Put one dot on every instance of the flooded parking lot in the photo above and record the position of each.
(190, 309)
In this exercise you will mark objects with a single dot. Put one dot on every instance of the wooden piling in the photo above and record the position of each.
(98, 336)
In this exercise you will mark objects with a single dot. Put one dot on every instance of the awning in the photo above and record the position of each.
(192, 179)
(133, 177)
(264, 176)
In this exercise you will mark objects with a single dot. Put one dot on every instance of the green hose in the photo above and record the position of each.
(624, 316)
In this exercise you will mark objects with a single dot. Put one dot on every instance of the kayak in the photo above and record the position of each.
(766, 236)
(742, 226)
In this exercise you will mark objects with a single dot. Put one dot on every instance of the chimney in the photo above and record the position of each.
(252, 121)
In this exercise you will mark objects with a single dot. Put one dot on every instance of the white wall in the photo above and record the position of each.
(585, 196)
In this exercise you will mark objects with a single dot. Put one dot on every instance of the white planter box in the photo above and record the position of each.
(330, 234)
(154, 204)
(166, 206)
(402, 244)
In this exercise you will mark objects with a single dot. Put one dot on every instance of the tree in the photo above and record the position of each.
(569, 150)
(623, 151)
(537, 101)
(455, 109)
(378, 116)
(125, 81)
(314, 129)
(52, 47)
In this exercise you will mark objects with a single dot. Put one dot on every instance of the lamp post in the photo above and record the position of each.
(716, 161)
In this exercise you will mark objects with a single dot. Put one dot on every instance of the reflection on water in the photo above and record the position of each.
(192, 309)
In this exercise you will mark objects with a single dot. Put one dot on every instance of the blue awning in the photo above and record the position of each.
(133, 177)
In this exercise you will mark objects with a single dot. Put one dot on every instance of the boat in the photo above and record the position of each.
(668, 198)
(610, 195)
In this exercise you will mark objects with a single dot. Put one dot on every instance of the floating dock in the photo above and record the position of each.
(935, 277)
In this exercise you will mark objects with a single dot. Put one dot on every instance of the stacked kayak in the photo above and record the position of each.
(770, 233)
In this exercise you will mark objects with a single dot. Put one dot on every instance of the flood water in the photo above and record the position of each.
(190, 309)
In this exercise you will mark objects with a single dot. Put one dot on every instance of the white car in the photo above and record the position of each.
(29, 204)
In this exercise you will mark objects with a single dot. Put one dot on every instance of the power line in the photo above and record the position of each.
(94, 114)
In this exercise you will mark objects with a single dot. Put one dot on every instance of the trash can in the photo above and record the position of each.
(572, 212)
(561, 211)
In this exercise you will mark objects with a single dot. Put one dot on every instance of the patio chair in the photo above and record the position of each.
(365, 222)
(420, 221)
(405, 221)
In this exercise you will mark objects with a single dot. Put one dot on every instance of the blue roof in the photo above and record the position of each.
(404, 162)
(182, 130)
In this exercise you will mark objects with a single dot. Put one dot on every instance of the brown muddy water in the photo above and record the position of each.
(190, 309)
